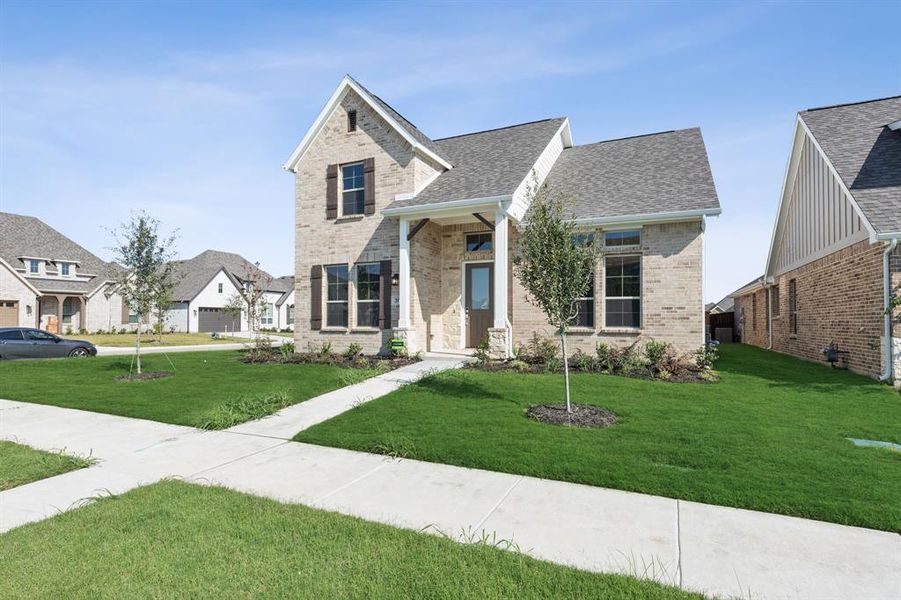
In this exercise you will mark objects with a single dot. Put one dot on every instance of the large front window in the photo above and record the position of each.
(352, 189)
(368, 294)
(336, 296)
(622, 291)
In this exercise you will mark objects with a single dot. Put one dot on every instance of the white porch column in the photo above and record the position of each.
(403, 316)
(500, 268)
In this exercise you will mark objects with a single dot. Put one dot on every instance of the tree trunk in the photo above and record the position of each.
(569, 407)
(138, 345)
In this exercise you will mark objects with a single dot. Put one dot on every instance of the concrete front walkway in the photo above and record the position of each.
(722, 551)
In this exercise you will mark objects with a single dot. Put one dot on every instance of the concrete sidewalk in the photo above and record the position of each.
(721, 551)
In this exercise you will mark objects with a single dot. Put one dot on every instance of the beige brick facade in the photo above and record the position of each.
(839, 298)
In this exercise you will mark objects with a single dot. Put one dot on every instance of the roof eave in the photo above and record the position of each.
(650, 218)
(442, 208)
(337, 96)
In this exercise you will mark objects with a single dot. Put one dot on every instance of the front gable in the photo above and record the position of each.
(817, 215)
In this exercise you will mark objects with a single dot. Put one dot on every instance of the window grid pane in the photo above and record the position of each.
(352, 189)
(368, 294)
(336, 296)
(479, 242)
(622, 238)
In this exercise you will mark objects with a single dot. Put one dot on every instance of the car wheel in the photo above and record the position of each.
(79, 353)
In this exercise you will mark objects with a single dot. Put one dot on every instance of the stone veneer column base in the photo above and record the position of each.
(497, 342)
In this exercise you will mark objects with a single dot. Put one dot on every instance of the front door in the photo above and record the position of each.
(479, 302)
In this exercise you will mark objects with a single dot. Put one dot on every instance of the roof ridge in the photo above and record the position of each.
(849, 103)
(632, 137)
(450, 137)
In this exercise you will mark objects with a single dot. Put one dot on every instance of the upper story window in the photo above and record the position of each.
(352, 189)
(220, 288)
(34, 266)
(66, 269)
(619, 239)
(351, 121)
(479, 242)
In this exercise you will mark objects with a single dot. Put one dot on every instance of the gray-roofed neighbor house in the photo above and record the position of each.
(866, 152)
(47, 280)
(402, 237)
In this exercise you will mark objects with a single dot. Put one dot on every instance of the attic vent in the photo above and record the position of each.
(351, 120)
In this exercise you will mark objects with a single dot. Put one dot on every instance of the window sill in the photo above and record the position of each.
(365, 330)
(349, 218)
(621, 248)
(334, 330)
(621, 330)
(581, 330)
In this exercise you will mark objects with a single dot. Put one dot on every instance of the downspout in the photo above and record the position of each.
(886, 302)
(769, 316)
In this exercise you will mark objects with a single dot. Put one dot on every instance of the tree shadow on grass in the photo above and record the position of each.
(455, 386)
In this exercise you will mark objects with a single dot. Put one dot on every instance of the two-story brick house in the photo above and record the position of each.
(401, 235)
(834, 257)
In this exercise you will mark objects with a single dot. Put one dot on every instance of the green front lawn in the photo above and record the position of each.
(770, 436)
(180, 540)
(209, 388)
(21, 464)
(149, 340)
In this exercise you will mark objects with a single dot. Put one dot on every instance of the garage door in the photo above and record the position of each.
(9, 313)
(216, 319)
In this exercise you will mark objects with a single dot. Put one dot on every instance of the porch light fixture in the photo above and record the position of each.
(395, 279)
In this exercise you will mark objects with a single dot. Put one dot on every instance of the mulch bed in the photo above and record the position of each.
(685, 376)
(358, 362)
(583, 415)
(145, 376)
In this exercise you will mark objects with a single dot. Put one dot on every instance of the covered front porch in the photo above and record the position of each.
(58, 313)
(454, 278)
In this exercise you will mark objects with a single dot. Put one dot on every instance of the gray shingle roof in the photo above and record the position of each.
(657, 173)
(408, 126)
(286, 285)
(193, 274)
(487, 163)
(22, 235)
(866, 154)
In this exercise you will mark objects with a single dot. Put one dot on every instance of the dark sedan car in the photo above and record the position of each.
(24, 342)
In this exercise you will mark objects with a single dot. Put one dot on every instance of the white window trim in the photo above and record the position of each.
(640, 297)
(341, 212)
(34, 263)
(347, 302)
(266, 315)
(356, 297)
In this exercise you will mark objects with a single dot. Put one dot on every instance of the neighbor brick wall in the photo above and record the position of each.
(672, 301)
(754, 331)
(839, 299)
(369, 238)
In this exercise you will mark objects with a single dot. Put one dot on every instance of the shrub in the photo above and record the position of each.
(483, 352)
(605, 357)
(585, 362)
(519, 365)
(325, 349)
(353, 351)
(706, 356)
(286, 351)
(656, 353)
(554, 364)
(543, 350)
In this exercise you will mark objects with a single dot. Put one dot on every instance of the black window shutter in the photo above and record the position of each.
(331, 192)
(369, 186)
(385, 288)
(316, 297)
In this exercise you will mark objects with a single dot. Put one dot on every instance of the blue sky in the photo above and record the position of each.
(188, 110)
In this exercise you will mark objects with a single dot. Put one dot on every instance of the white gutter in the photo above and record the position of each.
(769, 315)
(444, 206)
(887, 298)
(663, 217)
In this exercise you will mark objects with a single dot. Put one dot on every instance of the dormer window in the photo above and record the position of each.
(65, 269)
(34, 267)
(351, 121)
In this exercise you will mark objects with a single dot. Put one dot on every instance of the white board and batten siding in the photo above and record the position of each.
(542, 167)
(819, 217)
(210, 297)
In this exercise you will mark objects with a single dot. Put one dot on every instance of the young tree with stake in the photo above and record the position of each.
(145, 256)
(554, 265)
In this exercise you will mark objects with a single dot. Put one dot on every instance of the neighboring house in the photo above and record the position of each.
(720, 320)
(834, 257)
(204, 287)
(401, 235)
(284, 305)
(49, 281)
